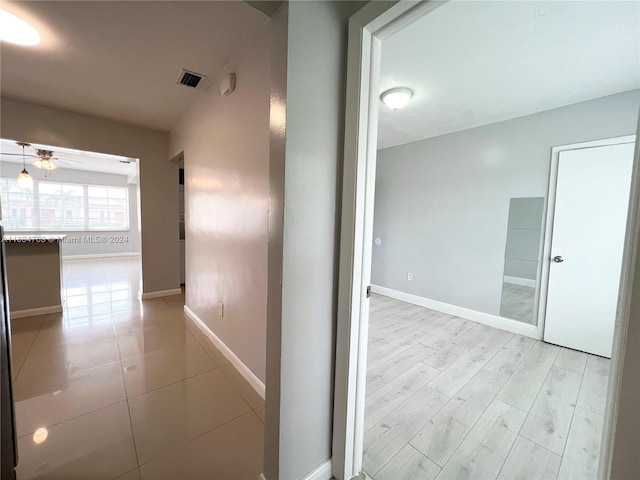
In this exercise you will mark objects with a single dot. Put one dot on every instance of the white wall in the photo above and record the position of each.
(226, 163)
(74, 244)
(442, 204)
(33, 123)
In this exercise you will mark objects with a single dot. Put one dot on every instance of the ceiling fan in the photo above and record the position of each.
(44, 159)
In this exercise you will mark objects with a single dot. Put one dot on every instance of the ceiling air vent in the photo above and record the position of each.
(190, 79)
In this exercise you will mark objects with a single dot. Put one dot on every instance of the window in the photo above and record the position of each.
(55, 206)
(107, 207)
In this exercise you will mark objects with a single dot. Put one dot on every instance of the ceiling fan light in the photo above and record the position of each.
(396, 98)
(15, 30)
(47, 164)
(25, 181)
(44, 164)
(44, 160)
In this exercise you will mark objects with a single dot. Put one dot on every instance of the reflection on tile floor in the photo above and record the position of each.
(120, 388)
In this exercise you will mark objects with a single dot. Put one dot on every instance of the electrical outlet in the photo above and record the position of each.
(221, 309)
(409, 277)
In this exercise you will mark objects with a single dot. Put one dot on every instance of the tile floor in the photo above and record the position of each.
(448, 398)
(120, 388)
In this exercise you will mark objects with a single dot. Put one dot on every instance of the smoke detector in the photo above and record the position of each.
(228, 85)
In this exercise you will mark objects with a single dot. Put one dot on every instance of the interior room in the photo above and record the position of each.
(505, 147)
(87, 201)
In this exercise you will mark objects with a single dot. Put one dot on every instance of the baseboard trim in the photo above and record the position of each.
(161, 293)
(323, 472)
(525, 282)
(33, 312)
(242, 369)
(100, 255)
(494, 321)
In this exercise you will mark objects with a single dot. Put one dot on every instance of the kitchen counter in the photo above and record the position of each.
(34, 274)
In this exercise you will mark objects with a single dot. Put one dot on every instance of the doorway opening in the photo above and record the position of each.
(87, 205)
(455, 367)
(179, 160)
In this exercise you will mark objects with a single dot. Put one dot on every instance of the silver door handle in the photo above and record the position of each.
(558, 259)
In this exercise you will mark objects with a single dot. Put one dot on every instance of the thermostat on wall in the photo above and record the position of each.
(228, 85)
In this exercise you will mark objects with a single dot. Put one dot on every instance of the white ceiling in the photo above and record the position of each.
(121, 59)
(72, 159)
(473, 63)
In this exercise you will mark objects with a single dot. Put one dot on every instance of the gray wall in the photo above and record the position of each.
(34, 123)
(68, 247)
(277, 149)
(442, 204)
(624, 461)
(225, 141)
(309, 46)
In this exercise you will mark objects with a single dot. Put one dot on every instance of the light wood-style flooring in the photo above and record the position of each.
(518, 302)
(449, 398)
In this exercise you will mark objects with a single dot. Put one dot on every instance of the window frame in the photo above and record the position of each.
(36, 218)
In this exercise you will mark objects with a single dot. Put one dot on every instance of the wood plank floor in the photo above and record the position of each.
(448, 398)
(518, 302)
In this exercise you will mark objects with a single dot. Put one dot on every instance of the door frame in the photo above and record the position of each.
(550, 213)
(367, 28)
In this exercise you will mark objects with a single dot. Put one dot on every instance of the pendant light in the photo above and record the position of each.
(24, 179)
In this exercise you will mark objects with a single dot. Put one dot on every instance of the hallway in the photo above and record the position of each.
(115, 387)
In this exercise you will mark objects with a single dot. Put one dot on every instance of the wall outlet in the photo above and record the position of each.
(409, 277)
(221, 309)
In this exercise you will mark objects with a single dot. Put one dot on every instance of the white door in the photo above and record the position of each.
(589, 224)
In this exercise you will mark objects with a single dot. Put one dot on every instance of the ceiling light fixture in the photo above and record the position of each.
(40, 436)
(44, 160)
(396, 98)
(24, 179)
(15, 30)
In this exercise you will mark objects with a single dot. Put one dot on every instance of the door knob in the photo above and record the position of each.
(558, 259)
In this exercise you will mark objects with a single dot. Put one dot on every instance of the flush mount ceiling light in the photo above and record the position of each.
(15, 30)
(396, 98)
(40, 436)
